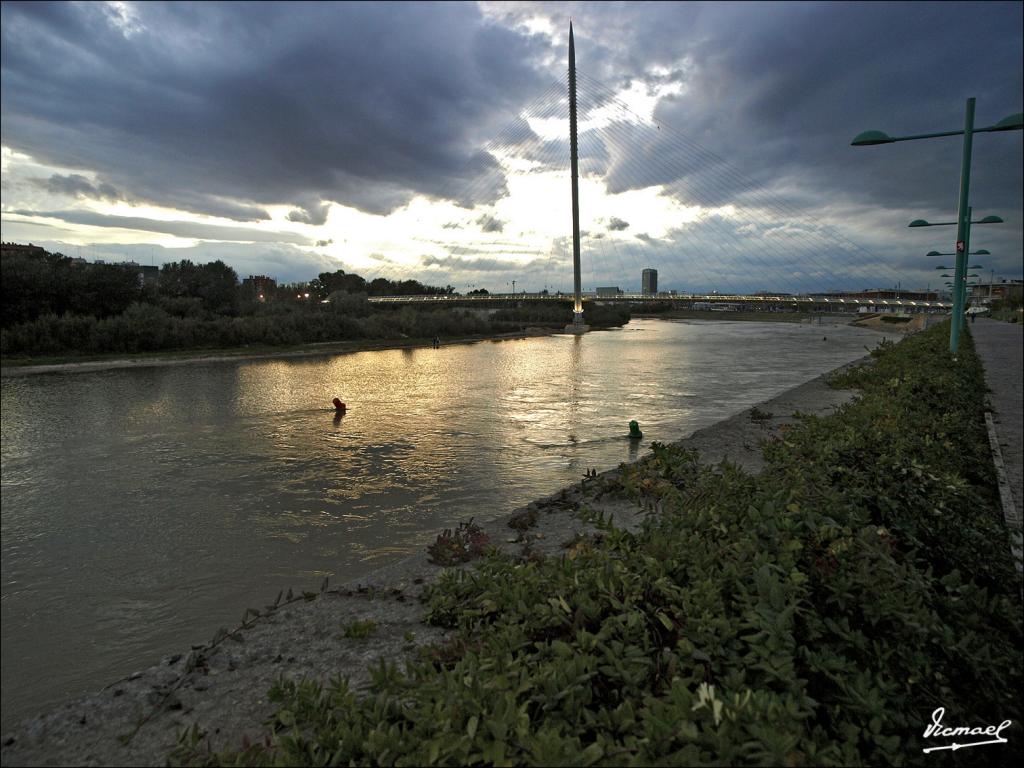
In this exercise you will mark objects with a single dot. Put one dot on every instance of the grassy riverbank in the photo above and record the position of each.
(817, 613)
(403, 329)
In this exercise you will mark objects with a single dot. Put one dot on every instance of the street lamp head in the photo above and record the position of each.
(945, 268)
(982, 252)
(919, 223)
(1011, 123)
(975, 266)
(946, 276)
(934, 253)
(990, 220)
(868, 138)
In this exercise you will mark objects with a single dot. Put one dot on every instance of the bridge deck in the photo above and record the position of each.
(716, 298)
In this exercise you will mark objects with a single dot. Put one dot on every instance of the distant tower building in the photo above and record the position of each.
(649, 282)
(259, 287)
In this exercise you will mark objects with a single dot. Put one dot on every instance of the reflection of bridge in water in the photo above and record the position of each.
(688, 300)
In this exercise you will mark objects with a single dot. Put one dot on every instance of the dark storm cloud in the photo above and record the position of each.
(883, 93)
(781, 97)
(490, 224)
(314, 214)
(76, 185)
(361, 103)
(187, 229)
(774, 92)
(225, 108)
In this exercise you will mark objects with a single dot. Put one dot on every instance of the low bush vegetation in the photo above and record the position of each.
(51, 305)
(151, 328)
(461, 545)
(360, 630)
(815, 614)
(1007, 310)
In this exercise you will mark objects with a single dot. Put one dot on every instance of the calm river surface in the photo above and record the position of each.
(144, 508)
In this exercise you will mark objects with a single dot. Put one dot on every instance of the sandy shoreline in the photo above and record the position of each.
(221, 685)
(309, 350)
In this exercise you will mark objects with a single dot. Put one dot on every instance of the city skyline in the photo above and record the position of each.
(639, 288)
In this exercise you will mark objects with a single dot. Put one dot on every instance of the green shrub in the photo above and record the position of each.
(461, 545)
(360, 630)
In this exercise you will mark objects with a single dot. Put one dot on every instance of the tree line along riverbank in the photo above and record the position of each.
(817, 613)
(52, 306)
(149, 328)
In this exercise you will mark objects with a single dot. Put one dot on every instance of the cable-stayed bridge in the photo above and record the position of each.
(818, 303)
(727, 240)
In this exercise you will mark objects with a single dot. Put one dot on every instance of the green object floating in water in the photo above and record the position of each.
(634, 431)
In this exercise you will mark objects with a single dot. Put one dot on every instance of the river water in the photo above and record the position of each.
(143, 508)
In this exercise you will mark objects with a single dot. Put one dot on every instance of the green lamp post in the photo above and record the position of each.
(979, 252)
(923, 223)
(963, 291)
(1011, 123)
(963, 249)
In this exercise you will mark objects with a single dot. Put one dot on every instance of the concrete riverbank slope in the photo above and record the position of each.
(221, 686)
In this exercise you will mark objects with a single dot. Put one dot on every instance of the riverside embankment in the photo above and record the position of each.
(827, 619)
(223, 687)
(143, 506)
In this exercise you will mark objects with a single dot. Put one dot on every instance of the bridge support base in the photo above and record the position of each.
(577, 325)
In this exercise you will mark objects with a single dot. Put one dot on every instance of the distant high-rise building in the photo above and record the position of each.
(259, 287)
(649, 282)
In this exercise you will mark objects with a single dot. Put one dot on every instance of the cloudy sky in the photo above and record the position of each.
(428, 140)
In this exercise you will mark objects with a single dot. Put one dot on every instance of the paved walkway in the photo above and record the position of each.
(1001, 348)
